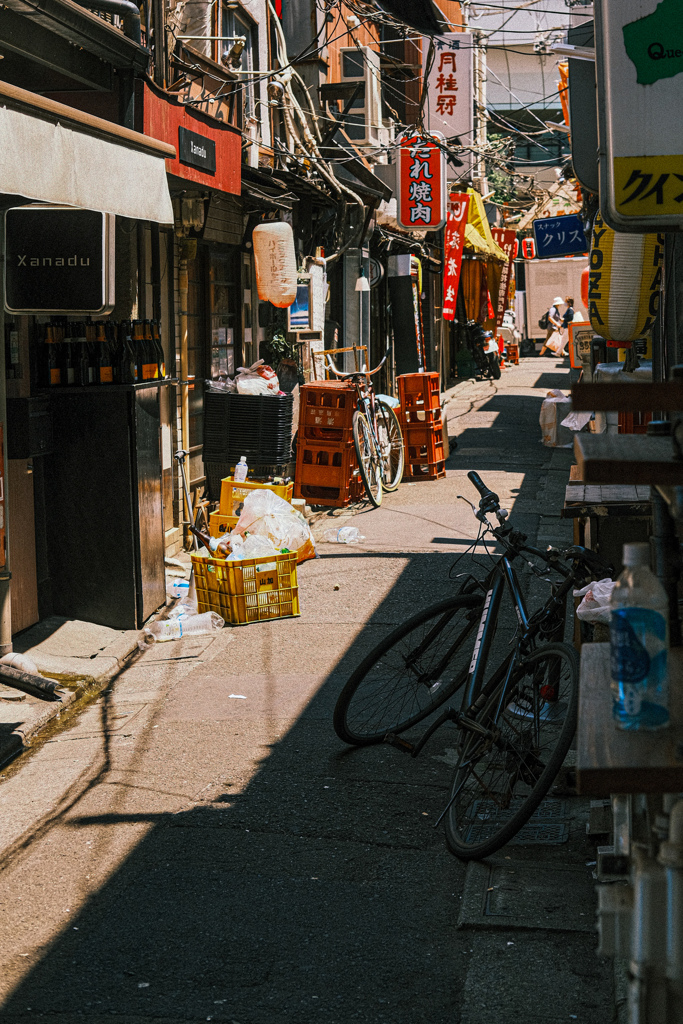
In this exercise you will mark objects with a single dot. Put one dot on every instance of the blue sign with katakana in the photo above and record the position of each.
(560, 236)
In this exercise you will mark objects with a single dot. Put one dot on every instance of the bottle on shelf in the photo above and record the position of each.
(161, 363)
(104, 356)
(12, 362)
(139, 347)
(54, 371)
(241, 470)
(128, 366)
(93, 359)
(639, 642)
(151, 361)
(81, 359)
(68, 353)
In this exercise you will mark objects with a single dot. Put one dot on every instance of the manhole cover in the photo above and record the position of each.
(547, 826)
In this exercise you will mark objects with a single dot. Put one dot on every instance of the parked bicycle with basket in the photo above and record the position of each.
(514, 722)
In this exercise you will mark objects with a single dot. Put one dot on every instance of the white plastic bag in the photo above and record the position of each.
(595, 606)
(551, 415)
(265, 514)
(257, 379)
(576, 420)
(555, 342)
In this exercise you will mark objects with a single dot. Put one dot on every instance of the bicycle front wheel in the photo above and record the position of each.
(390, 445)
(509, 758)
(368, 458)
(412, 672)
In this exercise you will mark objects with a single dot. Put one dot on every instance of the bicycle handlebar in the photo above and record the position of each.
(489, 498)
(356, 373)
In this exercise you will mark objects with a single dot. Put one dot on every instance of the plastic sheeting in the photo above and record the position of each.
(53, 164)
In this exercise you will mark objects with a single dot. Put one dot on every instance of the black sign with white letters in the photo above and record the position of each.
(55, 260)
(196, 150)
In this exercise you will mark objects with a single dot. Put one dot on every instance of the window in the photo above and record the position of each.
(234, 24)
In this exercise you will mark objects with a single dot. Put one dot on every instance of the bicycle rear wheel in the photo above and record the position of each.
(368, 458)
(508, 764)
(412, 672)
(390, 445)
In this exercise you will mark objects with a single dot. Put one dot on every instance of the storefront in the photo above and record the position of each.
(114, 178)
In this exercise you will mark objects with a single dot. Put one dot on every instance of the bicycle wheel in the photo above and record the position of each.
(410, 673)
(508, 764)
(390, 445)
(368, 458)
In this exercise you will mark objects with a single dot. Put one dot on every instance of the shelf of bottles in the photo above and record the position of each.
(85, 354)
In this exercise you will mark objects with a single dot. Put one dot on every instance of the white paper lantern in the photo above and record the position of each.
(276, 273)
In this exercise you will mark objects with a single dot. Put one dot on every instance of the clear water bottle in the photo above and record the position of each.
(639, 643)
(174, 629)
(241, 470)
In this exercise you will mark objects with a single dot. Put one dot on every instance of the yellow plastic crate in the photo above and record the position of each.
(251, 590)
(220, 525)
(232, 494)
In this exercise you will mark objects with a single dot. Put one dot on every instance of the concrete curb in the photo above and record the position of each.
(80, 685)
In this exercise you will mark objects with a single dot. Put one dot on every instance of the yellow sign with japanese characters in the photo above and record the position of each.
(645, 186)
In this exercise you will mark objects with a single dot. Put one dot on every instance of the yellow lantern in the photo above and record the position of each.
(624, 282)
(275, 260)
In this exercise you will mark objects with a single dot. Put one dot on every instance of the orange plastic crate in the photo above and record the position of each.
(424, 470)
(423, 435)
(325, 465)
(419, 391)
(327, 404)
(420, 416)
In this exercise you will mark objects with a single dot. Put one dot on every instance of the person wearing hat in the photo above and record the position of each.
(554, 322)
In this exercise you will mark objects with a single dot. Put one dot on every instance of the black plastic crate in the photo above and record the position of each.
(256, 426)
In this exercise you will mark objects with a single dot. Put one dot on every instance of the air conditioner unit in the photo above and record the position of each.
(364, 121)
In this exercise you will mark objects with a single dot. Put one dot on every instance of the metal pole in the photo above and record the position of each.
(5, 574)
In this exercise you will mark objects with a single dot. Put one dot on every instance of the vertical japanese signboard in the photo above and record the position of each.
(454, 241)
(506, 239)
(450, 90)
(422, 183)
(640, 86)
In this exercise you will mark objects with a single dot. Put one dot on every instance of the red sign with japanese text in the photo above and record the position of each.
(507, 240)
(454, 241)
(421, 183)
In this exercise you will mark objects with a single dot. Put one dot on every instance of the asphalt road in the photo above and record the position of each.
(198, 845)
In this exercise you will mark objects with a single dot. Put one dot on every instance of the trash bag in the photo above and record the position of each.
(555, 343)
(554, 409)
(257, 379)
(595, 606)
(266, 514)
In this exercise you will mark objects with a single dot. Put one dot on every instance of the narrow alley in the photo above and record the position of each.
(198, 845)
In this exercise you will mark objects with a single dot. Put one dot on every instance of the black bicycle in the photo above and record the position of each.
(514, 724)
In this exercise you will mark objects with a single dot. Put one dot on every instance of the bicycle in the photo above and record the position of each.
(377, 435)
(514, 725)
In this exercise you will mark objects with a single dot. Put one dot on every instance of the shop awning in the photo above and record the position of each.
(478, 229)
(56, 154)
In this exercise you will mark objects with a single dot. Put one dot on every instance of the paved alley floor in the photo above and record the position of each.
(198, 845)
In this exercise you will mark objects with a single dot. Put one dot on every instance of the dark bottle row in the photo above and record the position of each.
(83, 353)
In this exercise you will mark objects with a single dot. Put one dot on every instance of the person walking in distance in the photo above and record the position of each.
(567, 318)
(553, 323)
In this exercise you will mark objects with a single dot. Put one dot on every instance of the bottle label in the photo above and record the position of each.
(55, 376)
(148, 370)
(638, 664)
(106, 374)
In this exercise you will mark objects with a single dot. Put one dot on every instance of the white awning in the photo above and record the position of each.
(55, 154)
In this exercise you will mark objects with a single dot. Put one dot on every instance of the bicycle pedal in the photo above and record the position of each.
(399, 743)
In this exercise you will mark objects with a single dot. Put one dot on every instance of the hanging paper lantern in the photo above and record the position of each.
(515, 250)
(624, 281)
(528, 248)
(275, 259)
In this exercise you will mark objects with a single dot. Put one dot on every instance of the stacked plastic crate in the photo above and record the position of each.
(326, 464)
(422, 426)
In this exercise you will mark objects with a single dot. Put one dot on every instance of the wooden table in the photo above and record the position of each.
(610, 760)
(627, 459)
(606, 516)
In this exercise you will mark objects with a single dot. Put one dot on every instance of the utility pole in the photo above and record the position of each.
(479, 164)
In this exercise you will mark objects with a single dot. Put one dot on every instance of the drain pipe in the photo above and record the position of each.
(183, 298)
(671, 857)
(648, 983)
(126, 9)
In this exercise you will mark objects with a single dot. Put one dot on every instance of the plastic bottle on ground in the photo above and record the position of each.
(241, 470)
(344, 535)
(174, 629)
(176, 587)
(639, 642)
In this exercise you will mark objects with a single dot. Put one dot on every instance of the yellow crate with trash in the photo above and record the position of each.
(233, 493)
(247, 590)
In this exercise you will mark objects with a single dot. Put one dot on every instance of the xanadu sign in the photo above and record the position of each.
(421, 182)
(639, 52)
